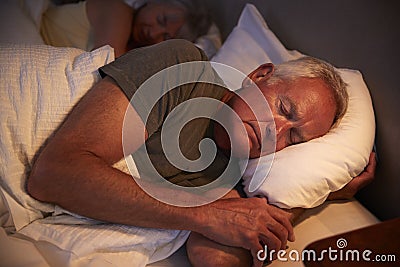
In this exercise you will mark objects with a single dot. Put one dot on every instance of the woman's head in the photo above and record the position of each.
(159, 20)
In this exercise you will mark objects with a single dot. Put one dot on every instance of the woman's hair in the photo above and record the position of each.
(309, 67)
(198, 19)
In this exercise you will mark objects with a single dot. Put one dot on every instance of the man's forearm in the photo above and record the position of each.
(91, 188)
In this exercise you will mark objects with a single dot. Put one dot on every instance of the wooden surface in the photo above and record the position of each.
(382, 240)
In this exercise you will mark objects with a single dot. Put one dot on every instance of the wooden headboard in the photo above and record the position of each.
(357, 34)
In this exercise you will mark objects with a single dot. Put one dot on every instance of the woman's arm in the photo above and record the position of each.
(111, 23)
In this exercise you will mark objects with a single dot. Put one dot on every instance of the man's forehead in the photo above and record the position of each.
(315, 106)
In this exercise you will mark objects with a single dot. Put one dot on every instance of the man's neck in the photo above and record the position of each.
(228, 95)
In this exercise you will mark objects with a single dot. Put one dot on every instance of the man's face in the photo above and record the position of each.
(157, 22)
(299, 111)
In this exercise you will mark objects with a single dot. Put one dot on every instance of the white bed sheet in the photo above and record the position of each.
(326, 220)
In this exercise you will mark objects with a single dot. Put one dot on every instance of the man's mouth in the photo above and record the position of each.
(256, 132)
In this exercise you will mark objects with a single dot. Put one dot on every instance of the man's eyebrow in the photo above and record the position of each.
(294, 116)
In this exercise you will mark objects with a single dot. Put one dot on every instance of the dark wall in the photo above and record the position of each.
(358, 34)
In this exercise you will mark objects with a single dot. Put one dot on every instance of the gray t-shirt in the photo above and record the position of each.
(131, 70)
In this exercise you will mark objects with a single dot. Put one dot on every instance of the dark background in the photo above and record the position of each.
(357, 34)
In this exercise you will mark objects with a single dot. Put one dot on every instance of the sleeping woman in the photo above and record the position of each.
(124, 25)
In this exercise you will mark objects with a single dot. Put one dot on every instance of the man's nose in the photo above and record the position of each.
(267, 130)
(157, 34)
(268, 137)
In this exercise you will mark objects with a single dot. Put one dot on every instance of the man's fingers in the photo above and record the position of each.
(280, 232)
(270, 244)
(368, 174)
(372, 163)
(258, 253)
(283, 218)
(271, 241)
(357, 182)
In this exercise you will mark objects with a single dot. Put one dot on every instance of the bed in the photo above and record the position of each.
(20, 20)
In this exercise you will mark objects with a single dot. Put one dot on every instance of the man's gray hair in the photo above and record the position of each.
(198, 19)
(309, 67)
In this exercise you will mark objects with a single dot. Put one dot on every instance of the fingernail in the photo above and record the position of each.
(376, 153)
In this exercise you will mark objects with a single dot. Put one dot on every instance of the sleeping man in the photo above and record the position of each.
(305, 98)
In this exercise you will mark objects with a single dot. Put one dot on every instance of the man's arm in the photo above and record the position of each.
(75, 171)
(111, 23)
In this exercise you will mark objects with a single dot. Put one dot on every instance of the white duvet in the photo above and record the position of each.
(38, 87)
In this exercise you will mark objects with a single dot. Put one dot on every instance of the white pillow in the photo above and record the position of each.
(210, 42)
(19, 21)
(35, 9)
(302, 175)
(39, 85)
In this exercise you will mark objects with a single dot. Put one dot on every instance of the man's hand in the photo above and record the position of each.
(357, 182)
(248, 223)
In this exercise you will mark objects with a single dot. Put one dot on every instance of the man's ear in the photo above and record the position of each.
(264, 71)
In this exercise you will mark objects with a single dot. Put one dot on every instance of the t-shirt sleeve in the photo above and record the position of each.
(133, 68)
(157, 78)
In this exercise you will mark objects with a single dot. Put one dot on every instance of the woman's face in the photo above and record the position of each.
(157, 22)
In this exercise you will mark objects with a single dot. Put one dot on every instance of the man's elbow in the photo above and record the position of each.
(35, 187)
(39, 180)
